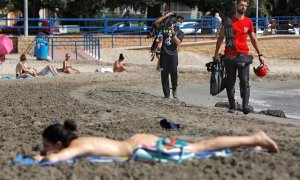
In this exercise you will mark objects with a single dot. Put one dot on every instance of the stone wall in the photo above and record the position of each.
(271, 46)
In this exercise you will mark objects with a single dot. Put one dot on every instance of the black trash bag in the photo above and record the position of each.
(218, 78)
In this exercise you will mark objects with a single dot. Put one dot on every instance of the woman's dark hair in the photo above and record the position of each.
(121, 57)
(58, 132)
(23, 57)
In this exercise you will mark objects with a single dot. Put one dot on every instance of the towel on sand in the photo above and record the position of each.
(23, 160)
(7, 77)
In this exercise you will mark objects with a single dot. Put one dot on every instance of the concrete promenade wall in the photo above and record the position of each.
(287, 47)
(283, 46)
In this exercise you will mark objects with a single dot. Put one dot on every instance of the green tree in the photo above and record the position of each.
(82, 9)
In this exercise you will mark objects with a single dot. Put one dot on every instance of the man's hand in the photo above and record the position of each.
(217, 57)
(172, 30)
(261, 60)
(157, 21)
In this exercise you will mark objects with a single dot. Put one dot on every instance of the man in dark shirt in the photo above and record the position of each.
(172, 38)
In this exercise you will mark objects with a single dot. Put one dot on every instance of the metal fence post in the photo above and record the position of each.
(76, 52)
(140, 38)
(93, 47)
(213, 26)
(105, 26)
(99, 50)
(84, 41)
(112, 40)
(51, 26)
(89, 41)
(52, 49)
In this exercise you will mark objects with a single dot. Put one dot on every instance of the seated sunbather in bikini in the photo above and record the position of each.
(22, 71)
(61, 143)
(119, 66)
(67, 68)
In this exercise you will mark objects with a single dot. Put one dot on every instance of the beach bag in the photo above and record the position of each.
(218, 78)
(164, 150)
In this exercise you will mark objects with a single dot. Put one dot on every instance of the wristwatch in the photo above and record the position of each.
(260, 55)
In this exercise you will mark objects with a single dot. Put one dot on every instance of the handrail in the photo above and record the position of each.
(141, 26)
(90, 43)
(104, 24)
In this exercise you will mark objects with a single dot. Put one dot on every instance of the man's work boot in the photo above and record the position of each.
(174, 91)
(247, 109)
(231, 106)
(231, 110)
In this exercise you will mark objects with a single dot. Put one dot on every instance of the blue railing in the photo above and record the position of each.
(113, 26)
(90, 44)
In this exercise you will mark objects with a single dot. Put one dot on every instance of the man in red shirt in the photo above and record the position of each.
(242, 27)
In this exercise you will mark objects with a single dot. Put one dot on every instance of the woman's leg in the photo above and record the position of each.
(32, 72)
(75, 70)
(125, 69)
(257, 139)
(70, 71)
(53, 70)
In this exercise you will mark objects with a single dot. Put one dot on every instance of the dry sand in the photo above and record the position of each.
(120, 105)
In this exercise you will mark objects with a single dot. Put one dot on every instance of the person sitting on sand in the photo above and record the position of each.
(67, 68)
(22, 71)
(118, 66)
(61, 143)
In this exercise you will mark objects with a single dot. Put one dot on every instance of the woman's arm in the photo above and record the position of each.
(67, 153)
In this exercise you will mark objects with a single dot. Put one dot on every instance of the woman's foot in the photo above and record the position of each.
(266, 142)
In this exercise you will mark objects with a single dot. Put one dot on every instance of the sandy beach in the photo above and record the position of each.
(118, 105)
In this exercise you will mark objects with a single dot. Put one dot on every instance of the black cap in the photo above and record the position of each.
(121, 56)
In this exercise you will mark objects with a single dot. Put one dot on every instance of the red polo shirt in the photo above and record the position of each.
(241, 29)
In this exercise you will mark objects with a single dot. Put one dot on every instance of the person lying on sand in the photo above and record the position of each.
(118, 66)
(67, 68)
(61, 143)
(47, 69)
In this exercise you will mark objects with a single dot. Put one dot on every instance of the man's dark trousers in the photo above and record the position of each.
(243, 72)
(169, 66)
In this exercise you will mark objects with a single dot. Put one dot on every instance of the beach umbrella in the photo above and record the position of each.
(6, 45)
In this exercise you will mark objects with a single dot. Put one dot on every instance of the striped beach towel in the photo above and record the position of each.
(164, 150)
(170, 150)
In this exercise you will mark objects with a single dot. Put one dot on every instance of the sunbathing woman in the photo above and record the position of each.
(67, 68)
(61, 143)
(118, 66)
(22, 71)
